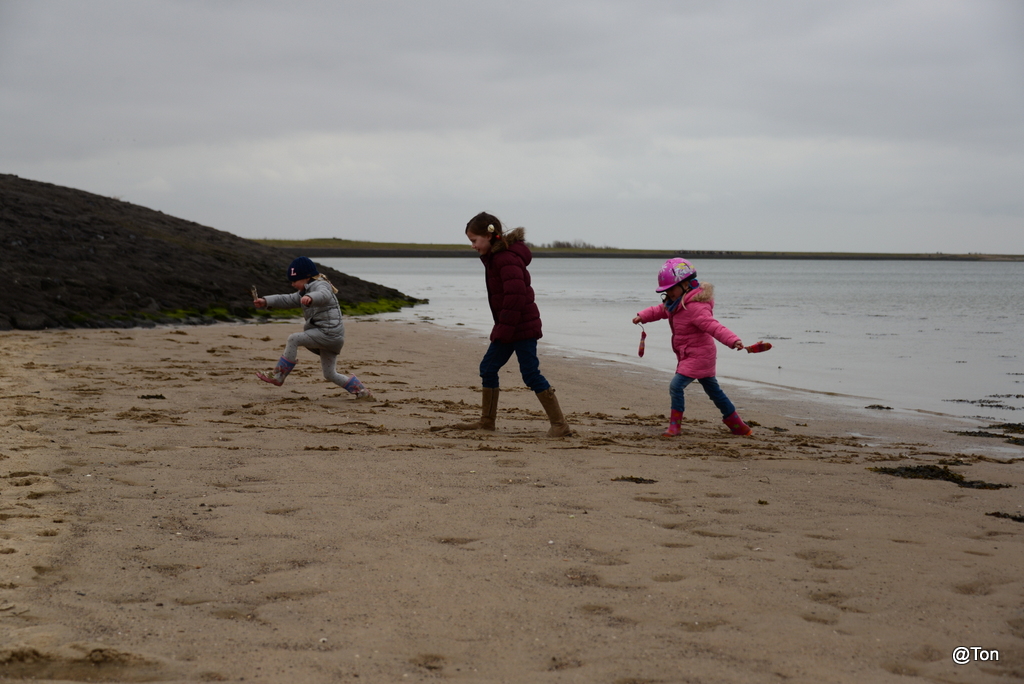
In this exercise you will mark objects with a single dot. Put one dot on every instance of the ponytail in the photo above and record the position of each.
(487, 225)
(321, 276)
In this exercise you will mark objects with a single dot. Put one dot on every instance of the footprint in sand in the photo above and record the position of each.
(705, 625)
(820, 619)
(558, 664)
(455, 541)
(606, 612)
(823, 560)
(661, 500)
(577, 577)
(431, 662)
(282, 511)
(979, 587)
(723, 556)
(80, 664)
(713, 535)
(834, 599)
(594, 609)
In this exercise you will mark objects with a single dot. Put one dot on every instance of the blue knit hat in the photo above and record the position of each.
(303, 267)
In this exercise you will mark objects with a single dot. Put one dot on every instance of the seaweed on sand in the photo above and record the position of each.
(1008, 516)
(1007, 428)
(934, 472)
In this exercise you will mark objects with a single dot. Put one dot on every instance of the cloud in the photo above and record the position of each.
(789, 125)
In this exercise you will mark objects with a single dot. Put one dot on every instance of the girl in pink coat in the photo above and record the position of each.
(689, 308)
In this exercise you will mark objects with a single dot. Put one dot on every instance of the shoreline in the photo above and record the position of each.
(804, 409)
(815, 402)
(168, 517)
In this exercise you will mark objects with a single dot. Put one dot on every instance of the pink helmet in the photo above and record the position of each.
(674, 272)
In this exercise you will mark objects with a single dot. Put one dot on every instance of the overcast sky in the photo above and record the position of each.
(893, 126)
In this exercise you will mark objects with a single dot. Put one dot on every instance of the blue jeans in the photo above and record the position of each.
(498, 355)
(711, 388)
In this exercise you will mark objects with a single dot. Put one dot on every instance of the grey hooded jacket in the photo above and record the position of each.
(324, 324)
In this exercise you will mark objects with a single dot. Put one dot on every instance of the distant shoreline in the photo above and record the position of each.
(412, 251)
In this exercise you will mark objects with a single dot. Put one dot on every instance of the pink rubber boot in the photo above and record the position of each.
(736, 424)
(674, 419)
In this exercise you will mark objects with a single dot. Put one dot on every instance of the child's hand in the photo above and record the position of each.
(306, 300)
(260, 303)
(738, 345)
(636, 320)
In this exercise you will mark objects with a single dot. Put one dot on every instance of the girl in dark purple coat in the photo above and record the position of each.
(517, 325)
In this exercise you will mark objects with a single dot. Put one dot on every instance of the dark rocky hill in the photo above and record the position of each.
(70, 258)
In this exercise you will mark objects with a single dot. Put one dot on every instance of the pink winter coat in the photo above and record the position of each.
(694, 331)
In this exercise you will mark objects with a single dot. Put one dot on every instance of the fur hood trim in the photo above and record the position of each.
(517, 235)
(705, 293)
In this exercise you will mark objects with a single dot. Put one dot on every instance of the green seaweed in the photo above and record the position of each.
(377, 307)
(277, 313)
(221, 313)
(934, 472)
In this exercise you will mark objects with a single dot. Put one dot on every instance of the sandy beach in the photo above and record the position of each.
(165, 516)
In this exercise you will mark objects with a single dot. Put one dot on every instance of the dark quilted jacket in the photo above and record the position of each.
(509, 294)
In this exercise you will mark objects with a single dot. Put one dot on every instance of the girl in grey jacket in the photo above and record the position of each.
(323, 333)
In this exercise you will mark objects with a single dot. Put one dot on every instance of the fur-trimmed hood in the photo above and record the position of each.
(513, 243)
(704, 293)
(517, 235)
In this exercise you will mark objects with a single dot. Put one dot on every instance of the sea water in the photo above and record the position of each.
(942, 337)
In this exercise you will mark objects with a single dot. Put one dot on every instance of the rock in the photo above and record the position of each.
(29, 321)
(75, 259)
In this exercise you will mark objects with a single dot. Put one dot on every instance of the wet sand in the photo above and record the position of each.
(164, 516)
